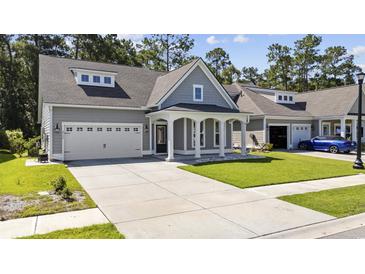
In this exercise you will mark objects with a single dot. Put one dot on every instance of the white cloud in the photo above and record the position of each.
(359, 50)
(212, 40)
(240, 38)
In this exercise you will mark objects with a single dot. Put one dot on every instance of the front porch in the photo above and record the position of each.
(345, 127)
(174, 132)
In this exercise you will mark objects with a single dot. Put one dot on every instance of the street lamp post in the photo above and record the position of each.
(358, 162)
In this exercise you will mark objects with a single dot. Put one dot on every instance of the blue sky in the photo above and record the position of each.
(251, 50)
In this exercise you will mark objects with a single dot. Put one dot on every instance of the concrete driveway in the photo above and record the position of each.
(338, 156)
(148, 198)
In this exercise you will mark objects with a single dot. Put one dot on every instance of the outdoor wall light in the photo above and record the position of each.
(57, 128)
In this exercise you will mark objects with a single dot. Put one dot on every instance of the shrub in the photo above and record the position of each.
(66, 194)
(32, 145)
(268, 147)
(16, 141)
(59, 185)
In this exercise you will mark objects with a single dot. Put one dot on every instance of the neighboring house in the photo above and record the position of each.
(91, 110)
(284, 118)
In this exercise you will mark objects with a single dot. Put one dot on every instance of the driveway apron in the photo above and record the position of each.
(149, 198)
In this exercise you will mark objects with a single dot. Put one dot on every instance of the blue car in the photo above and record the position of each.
(333, 144)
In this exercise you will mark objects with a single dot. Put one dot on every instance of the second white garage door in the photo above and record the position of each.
(301, 132)
(96, 141)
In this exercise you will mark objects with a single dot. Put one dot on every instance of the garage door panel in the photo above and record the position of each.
(300, 132)
(88, 141)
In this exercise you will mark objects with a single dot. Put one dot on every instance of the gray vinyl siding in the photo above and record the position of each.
(254, 127)
(184, 93)
(64, 114)
(179, 134)
(45, 125)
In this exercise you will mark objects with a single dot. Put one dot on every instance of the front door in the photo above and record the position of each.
(161, 139)
(278, 136)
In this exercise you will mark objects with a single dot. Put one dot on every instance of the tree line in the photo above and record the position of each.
(300, 68)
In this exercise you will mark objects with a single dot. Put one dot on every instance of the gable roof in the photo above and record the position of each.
(133, 85)
(329, 102)
(165, 82)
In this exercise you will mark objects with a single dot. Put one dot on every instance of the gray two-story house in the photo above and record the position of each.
(91, 110)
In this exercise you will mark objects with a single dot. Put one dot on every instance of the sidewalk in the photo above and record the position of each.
(322, 229)
(47, 223)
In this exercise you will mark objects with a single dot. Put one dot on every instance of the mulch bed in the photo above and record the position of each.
(13, 206)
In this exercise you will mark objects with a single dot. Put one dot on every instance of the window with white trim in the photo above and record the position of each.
(118, 129)
(69, 129)
(216, 133)
(96, 78)
(202, 134)
(198, 93)
(79, 129)
(89, 129)
(126, 129)
(108, 129)
(99, 129)
(107, 80)
(135, 129)
(85, 78)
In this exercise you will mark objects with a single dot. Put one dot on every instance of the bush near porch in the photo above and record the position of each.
(275, 168)
(19, 187)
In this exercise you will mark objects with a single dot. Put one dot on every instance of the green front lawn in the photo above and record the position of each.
(275, 168)
(104, 231)
(19, 187)
(338, 202)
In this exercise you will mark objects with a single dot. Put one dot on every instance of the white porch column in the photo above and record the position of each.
(354, 129)
(222, 133)
(185, 135)
(243, 137)
(170, 139)
(320, 131)
(150, 134)
(343, 127)
(197, 138)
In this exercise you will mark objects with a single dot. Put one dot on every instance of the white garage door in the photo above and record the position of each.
(95, 141)
(301, 132)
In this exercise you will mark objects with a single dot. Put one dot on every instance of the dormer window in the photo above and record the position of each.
(107, 80)
(96, 79)
(90, 77)
(284, 97)
(84, 78)
(198, 93)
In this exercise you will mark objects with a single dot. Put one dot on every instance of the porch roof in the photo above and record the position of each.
(199, 108)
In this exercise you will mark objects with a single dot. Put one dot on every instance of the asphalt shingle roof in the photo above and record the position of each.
(57, 84)
(327, 102)
(165, 82)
